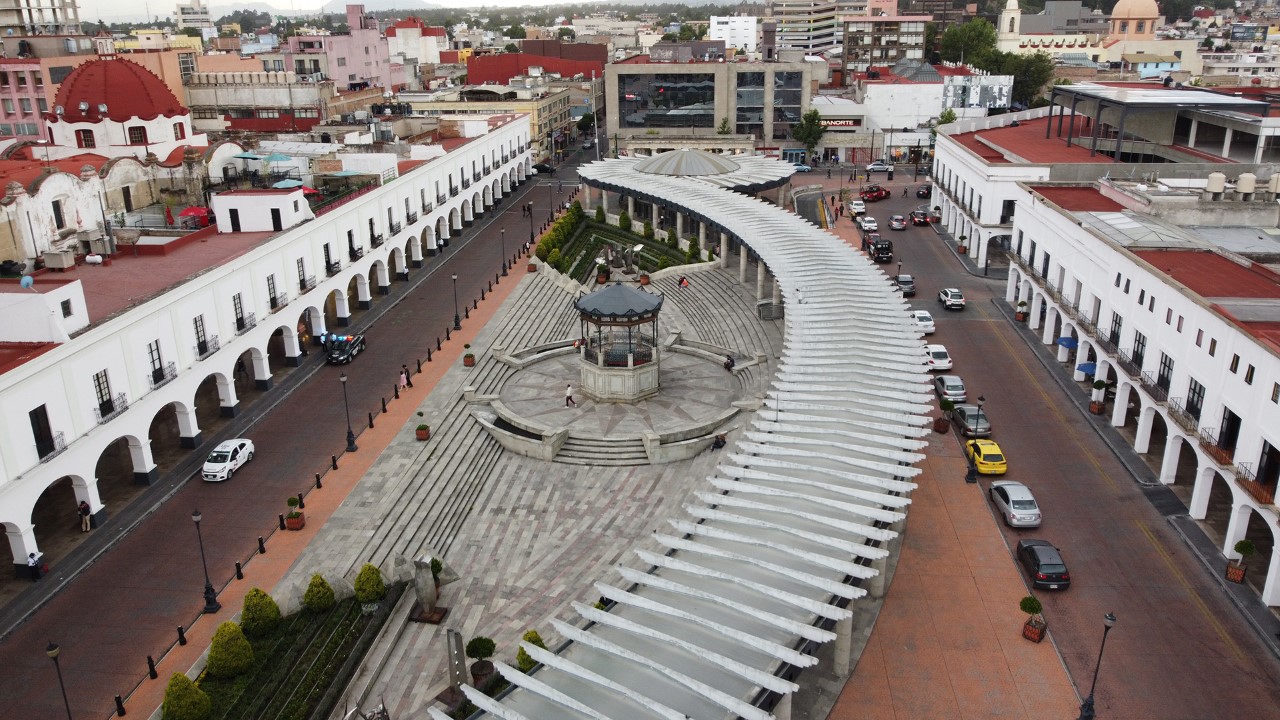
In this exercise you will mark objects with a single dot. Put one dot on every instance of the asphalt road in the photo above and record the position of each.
(129, 601)
(1179, 649)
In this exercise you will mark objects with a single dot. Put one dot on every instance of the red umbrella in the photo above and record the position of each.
(194, 211)
(309, 190)
(168, 215)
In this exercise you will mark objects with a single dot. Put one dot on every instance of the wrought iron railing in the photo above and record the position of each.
(278, 302)
(1153, 387)
(428, 207)
(1209, 442)
(1265, 494)
(465, 183)
(1180, 416)
(505, 157)
(306, 283)
(245, 323)
(207, 347)
(1126, 362)
(411, 217)
(1053, 293)
(476, 176)
(355, 253)
(59, 444)
(453, 192)
(338, 201)
(395, 228)
(162, 375)
(1105, 344)
(1087, 326)
(111, 409)
(333, 268)
(1018, 260)
(441, 198)
(377, 240)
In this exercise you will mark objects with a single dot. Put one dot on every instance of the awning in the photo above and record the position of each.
(248, 156)
(194, 211)
(1087, 368)
(1068, 342)
(309, 190)
(277, 157)
(286, 184)
(345, 173)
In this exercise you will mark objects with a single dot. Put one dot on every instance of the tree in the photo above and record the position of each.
(930, 41)
(191, 32)
(512, 48)
(565, 33)
(261, 614)
(184, 700)
(516, 32)
(1031, 73)
(586, 123)
(724, 128)
(972, 42)
(809, 130)
(670, 37)
(230, 653)
(370, 587)
(319, 595)
(946, 116)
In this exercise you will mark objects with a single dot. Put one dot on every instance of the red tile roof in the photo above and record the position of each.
(14, 354)
(26, 171)
(128, 90)
(1007, 144)
(1211, 275)
(1077, 199)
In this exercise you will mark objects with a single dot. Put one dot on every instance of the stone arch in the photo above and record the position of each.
(337, 312)
(283, 348)
(442, 231)
(251, 374)
(1247, 523)
(358, 292)
(53, 518)
(455, 220)
(428, 239)
(508, 180)
(486, 197)
(380, 277)
(310, 324)
(496, 190)
(399, 264)
(215, 401)
(468, 214)
(172, 433)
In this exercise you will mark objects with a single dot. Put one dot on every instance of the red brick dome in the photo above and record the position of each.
(128, 90)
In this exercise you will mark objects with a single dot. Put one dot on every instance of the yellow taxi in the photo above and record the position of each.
(986, 457)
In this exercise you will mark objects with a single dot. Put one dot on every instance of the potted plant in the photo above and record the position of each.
(469, 359)
(644, 277)
(1097, 403)
(1236, 568)
(602, 274)
(423, 431)
(296, 519)
(960, 244)
(943, 424)
(1033, 629)
(533, 266)
(1021, 314)
(481, 649)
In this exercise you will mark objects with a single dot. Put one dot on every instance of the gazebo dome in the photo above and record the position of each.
(1135, 10)
(687, 162)
(619, 302)
(125, 87)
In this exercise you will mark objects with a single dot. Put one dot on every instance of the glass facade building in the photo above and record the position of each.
(662, 100)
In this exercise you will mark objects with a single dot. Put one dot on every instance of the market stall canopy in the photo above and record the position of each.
(285, 184)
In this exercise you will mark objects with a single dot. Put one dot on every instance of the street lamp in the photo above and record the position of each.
(52, 651)
(1086, 707)
(211, 604)
(531, 223)
(503, 237)
(978, 421)
(351, 437)
(457, 321)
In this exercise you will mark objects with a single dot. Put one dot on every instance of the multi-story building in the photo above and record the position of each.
(881, 40)
(23, 98)
(1240, 66)
(29, 18)
(95, 381)
(548, 108)
(356, 60)
(257, 102)
(812, 25)
(193, 14)
(412, 38)
(741, 32)
(658, 106)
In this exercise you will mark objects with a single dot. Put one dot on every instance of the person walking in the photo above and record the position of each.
(404, 377)
(85, 516)
(33, 565)
(568, 396)
(904, 191)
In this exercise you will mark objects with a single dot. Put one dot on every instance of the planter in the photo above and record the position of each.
(1097, 407)
(469, 360)
(602, 279)
(1020, 316)
(962, 249)
(423, 433)
(481, 674)
(644, 279)
(533, 267)
(295, 521)
(941, 425)
(1235, 573)
(1034, 629)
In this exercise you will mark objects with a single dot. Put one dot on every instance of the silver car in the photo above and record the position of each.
(1016, 503)
(950, 387)
(972, 421)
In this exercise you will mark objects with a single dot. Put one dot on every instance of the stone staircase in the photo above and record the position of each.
(583, 450)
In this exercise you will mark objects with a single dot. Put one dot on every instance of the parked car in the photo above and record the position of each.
(545, 168)
(924, 320)
(951, 298)
(226, 458)
(986, 457)
(801, 167)
(873, 193)
(1044, 563)
(879, 166)
(906, 285)
(1016, 504)
(342, 349)
(919, 217)
(924, 191)
(897, 222)
(937, 357)
(950, 387)
(856, 208)
(868, 223)
(972, 421)
(588, 145)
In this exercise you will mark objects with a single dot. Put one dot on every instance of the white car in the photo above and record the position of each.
(937, 357)
(868, 223)
(1015, 503)
(923, 320)
(879, 166)
(225, 459)
(856, 208)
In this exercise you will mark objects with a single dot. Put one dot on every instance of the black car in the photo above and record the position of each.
(924, 191)
(1045, 565)
(342, 349)
(544, 168)
(919, 217)
(906, 284)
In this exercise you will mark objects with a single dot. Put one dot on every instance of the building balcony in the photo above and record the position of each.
(441, 198)
(410, 217)
(163, 375)
(427, 207)
(1126, 361)
(246, 322)
(476, 176)
(59, 443)
(377, 240)
(465, 183)
(207, 347)
(1264, 494)
(1152, 385)
(453, 192)
(333, 267)
(1209, 443)
(306, 283)
(355, 253)
(395, 228)
(1184, 419)
(278, 302)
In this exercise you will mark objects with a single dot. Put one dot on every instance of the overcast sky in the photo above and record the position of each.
(137, 10)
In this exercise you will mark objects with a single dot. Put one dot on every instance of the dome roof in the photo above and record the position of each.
(687, 162)
(1135, 9)
(126, 88)
(619, 302)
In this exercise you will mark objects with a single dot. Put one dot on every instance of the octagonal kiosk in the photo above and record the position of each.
(618, 353)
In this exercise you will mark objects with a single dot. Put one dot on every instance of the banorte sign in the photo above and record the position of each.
(841, 123)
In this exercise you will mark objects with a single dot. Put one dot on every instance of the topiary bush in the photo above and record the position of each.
(261, 614)
(523, 660)
(184, 700)
(624, 221)
(480, 648)
(230, 653)
(319, 596)
(553, 259)
(600, 213)
(648, 231)
(370, 587)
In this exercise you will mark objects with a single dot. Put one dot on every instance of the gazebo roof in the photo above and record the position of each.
(686, 162)
(619, 301)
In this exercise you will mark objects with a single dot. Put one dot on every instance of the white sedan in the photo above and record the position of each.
(868, 223)
(937, 357)
(225, 459)
(923, 320)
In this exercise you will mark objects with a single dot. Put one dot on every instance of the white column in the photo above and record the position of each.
(22, 542)
(1271, 590)
(144, 466)
(1226, 144)
(1146, 418)
(1169, 463)
(844, 647)
(724, 250)
(761, 272)
(1199, 506)
(742, 263)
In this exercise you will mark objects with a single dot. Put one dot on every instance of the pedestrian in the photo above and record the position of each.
(33, 565)
(850, 178)
(404, 378)
(568, 396)
(684, 281)
(240, 369)
(408, 376)
(85, 514)
(828, 173)
(904, 191)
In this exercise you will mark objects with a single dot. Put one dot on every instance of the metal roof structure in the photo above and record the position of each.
(745, 173)
(619, 301)
(785, 534)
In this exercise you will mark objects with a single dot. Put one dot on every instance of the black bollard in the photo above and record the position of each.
(475, 304)
(151, 668)
(495, 280)
(318, 483)
(438, 342)
(239, 571)
(370, 421)
(182, 636)
(482, 291)
(333, 460)
(428, 354)
(262, 546)
(120, 707)
(384, 400)
(281, 521)
(420, 364)
(446, 332)
(466, 313)
(302, 505)
(396, 391)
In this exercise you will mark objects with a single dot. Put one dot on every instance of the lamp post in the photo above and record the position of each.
(551, 211)
(531, 223)
(502, 235)
(1086, 707)
(351, 437)
(52, 651)
(457, 321)
(981, 399)
(211, 604)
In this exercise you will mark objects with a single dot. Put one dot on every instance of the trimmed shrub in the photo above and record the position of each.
(480, 648)
(230, 653)
(542, 251)
(369, 585)
(624, 221)
(664, 262)
(648, 231)
(523, 660)
(553, 259)
(261, 614)
(319, 596)
(184, 700)
(673, 242)
(600, 213)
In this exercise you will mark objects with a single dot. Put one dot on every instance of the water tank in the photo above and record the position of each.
(1247, 183)
(1217, 183)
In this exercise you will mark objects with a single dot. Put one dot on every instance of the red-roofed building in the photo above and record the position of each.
(500, 69)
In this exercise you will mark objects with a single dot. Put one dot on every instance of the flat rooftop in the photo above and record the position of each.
(1026, 144)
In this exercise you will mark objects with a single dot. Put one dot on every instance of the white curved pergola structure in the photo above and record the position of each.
(793, 525)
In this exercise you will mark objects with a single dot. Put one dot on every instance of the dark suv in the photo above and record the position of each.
(342, 349)
(1044, 563)
(906, 284)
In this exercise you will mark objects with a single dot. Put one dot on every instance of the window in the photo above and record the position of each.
(1151, 304)
(1213, 347)
(302, 271)
(1275, 393)
(42, 105)
(205, 114)
(295, 206)
(1126, 287)
(202, 342)
(66, 308)
(59, 73)
(1164, 376)
(179, 131)
(306, 113)
(1139, 348)
(8, 106)
(58, 220)
(267, 113)
(342, 62)
(1199, 337)
(1168, 316)
(153, 355)
(1248, 375)
(1142, 296)
(102, 389)
(1117, 279)
(42, 432)
(1195, 399)
(1180, 324)
(271, 289)
(137, 135)
(237, 308)
(4, 79)
(1235, 364)
(1117, 323)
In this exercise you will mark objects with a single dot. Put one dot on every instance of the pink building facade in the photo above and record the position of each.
(22, 99)
(354, 61)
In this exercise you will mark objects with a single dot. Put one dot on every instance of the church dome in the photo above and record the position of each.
(1135, 10)
(126, 88)
(687, 162)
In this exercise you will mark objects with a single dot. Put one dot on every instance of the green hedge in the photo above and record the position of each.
(261, 614)
(184, 700)
(230, 653)
(319, 596)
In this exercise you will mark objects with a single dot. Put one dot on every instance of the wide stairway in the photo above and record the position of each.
(582, 450)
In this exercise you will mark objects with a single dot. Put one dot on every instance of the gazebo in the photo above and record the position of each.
(618, 358)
